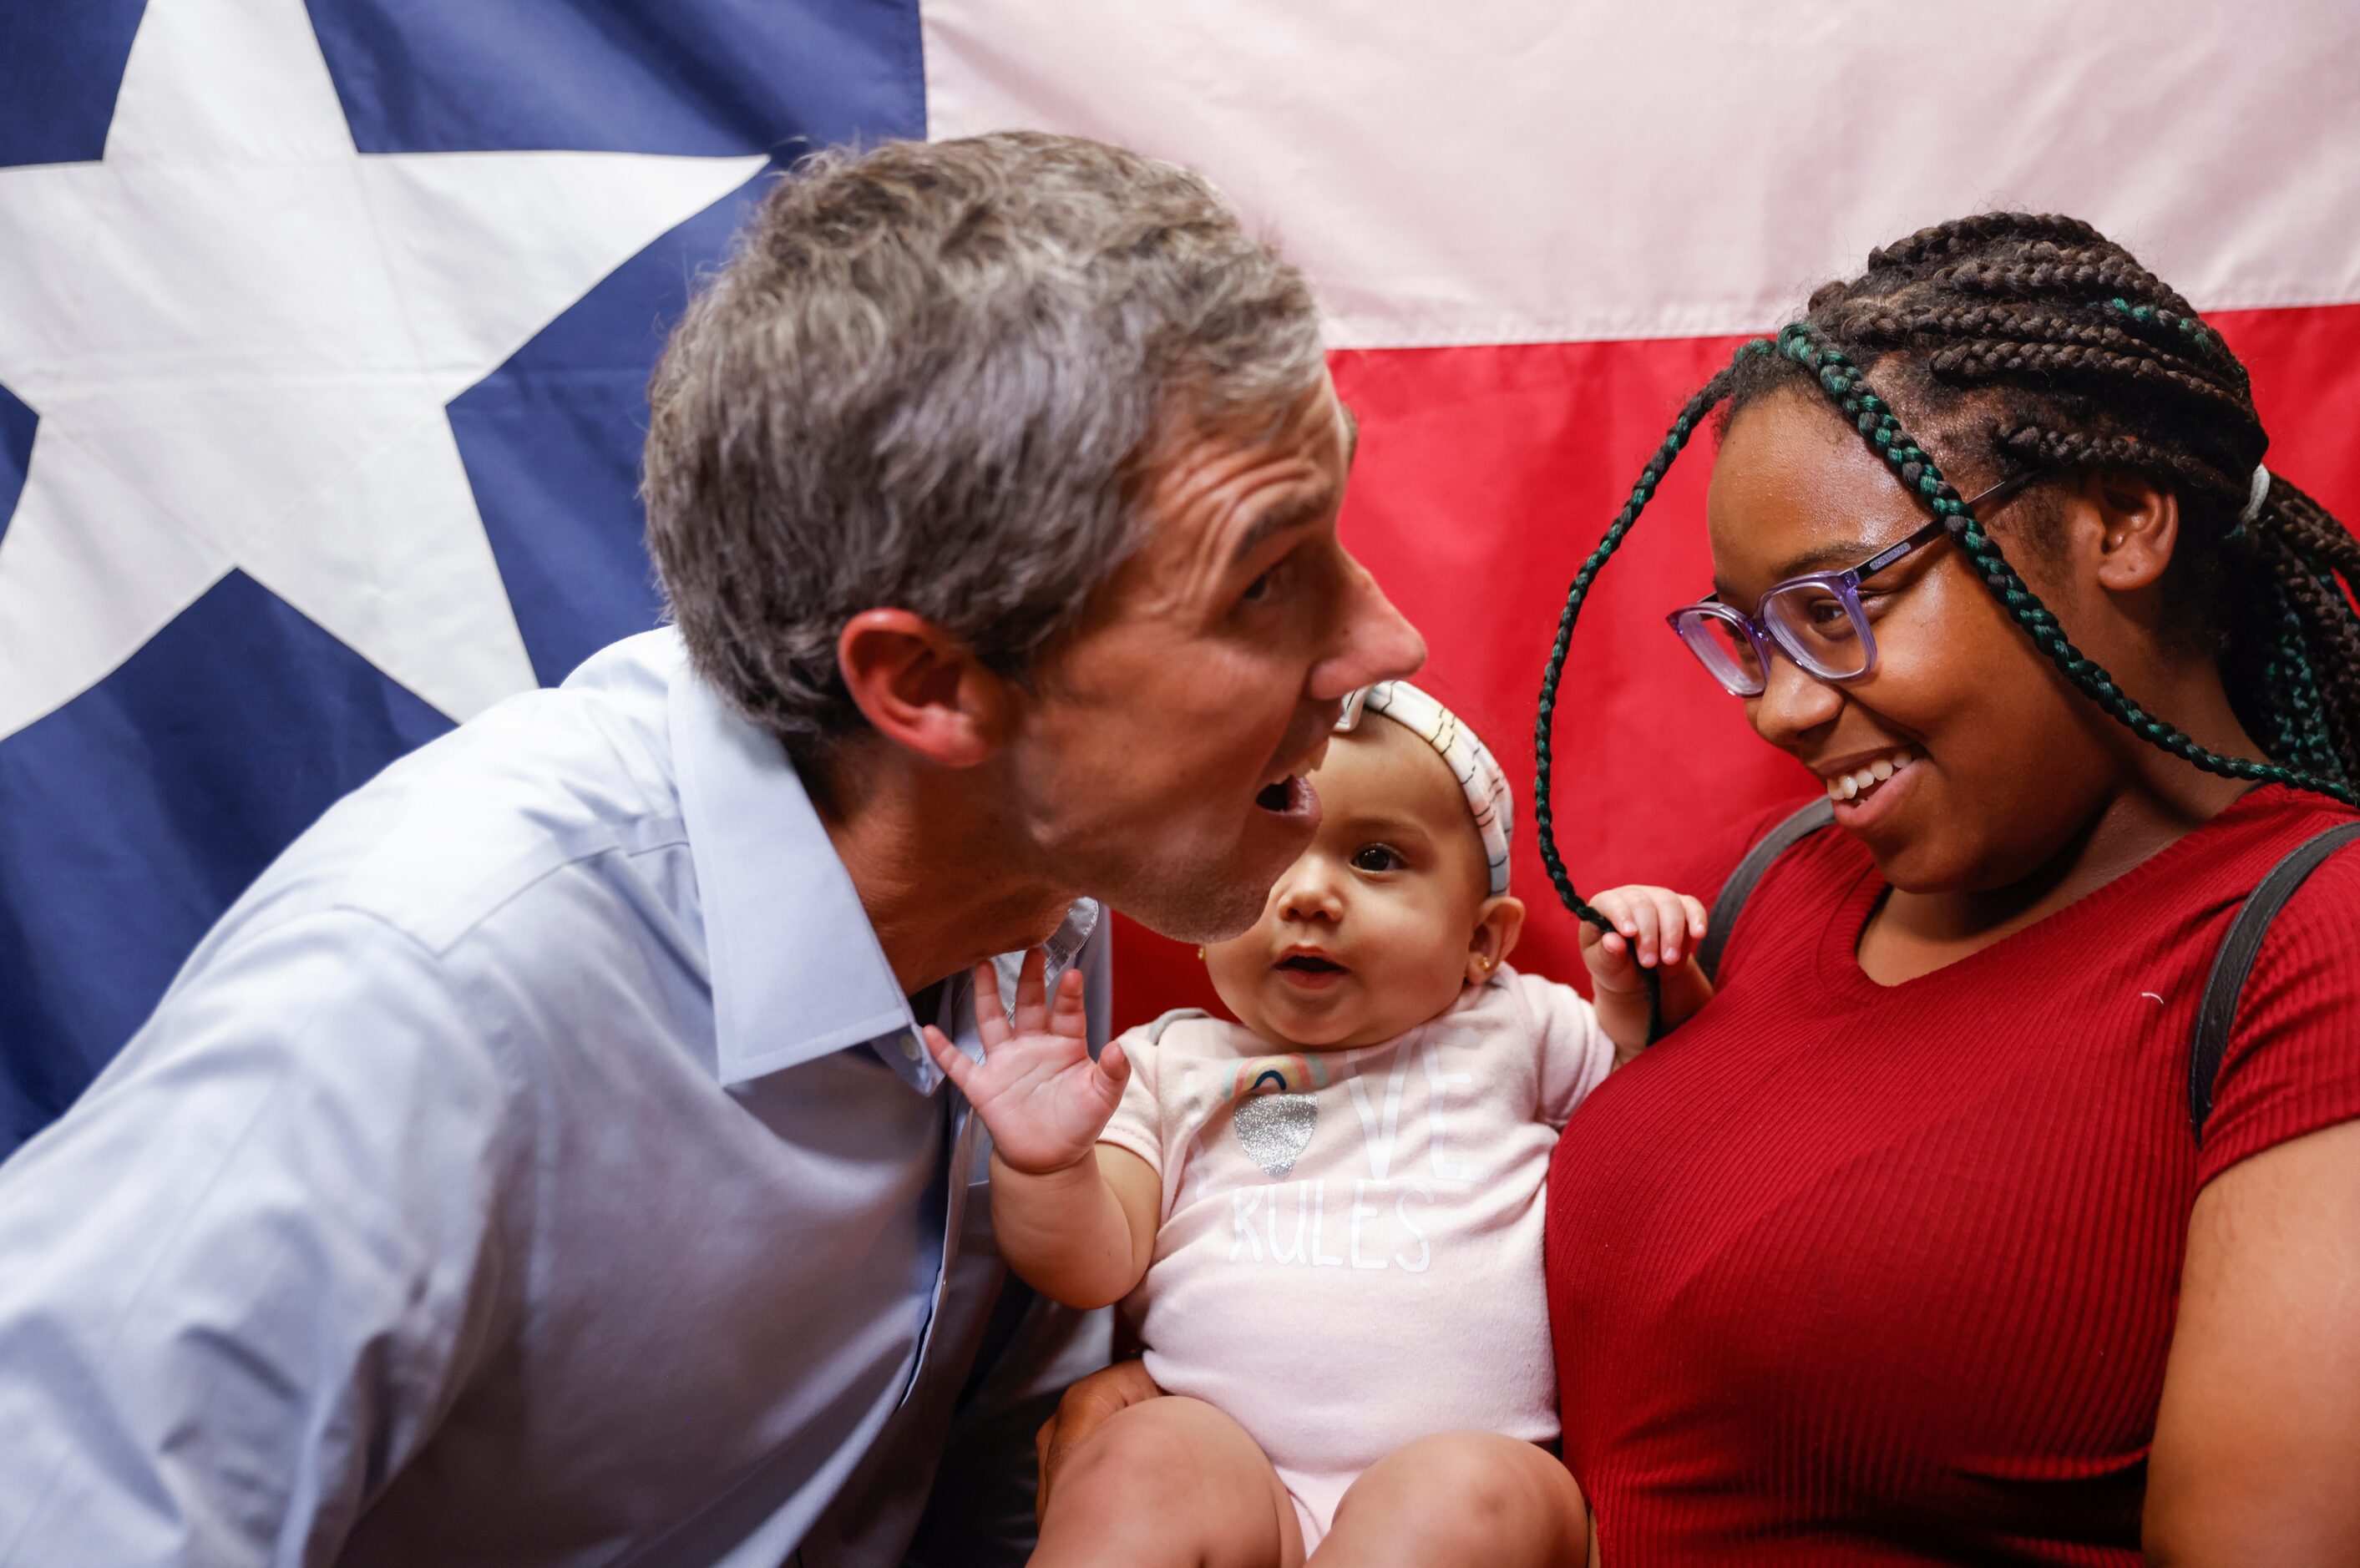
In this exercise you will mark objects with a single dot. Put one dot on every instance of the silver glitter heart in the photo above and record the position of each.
(1276, 1129)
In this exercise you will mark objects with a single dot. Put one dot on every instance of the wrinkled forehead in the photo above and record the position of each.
(1218, 501)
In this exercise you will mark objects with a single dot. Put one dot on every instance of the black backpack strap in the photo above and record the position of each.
(1739, 887)
(2218, 1010)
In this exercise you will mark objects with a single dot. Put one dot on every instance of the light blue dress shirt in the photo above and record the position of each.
(537, 1165)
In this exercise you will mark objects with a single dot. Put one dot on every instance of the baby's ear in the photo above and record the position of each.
(1497, 924)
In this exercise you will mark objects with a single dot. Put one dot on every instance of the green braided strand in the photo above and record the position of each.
(2300, 709)
(2327, 730)
(2207, 342)
(1849, 390)
(1543, 725)
(2286, 708)
(2152, 315)
(1545, 721)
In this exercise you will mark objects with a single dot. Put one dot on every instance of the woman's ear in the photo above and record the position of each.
(2138, 524)
(920, 688)
(1497, 924)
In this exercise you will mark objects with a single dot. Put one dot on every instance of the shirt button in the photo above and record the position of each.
(909, 1046)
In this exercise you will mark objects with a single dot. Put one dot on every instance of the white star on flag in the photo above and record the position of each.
(240, 334)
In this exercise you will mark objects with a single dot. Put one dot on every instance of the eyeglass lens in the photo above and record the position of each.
(1724, 649)
(1819, 627)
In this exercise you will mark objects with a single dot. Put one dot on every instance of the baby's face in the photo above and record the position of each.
(1374, 929)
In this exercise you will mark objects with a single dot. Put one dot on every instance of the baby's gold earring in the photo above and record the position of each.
(1200, 956)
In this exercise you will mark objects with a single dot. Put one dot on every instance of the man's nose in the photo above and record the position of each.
(1792, 704)
(1372, 642)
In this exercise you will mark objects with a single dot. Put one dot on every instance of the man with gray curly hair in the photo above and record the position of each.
(540, 1163)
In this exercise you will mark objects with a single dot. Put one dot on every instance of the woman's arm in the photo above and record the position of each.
(2256, 1457)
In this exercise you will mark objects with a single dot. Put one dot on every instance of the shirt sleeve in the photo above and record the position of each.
(1574, 1054)
(2292, 1065)
(1135, 1124)
(241, 1280)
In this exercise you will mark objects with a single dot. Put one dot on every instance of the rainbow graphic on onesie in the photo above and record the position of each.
(1294, 1074)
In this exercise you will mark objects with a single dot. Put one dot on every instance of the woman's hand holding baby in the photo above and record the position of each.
(1656, 929)
(1037, 1090)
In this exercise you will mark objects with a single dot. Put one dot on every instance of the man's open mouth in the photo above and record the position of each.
(1290, 794)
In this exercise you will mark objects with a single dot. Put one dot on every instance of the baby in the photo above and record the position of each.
(1327, 1217)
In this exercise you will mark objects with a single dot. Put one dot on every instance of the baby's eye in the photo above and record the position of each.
(1376, 857)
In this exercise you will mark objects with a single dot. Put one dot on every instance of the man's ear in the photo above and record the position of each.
(2138, 528)
(920, 688)
(1497, 924)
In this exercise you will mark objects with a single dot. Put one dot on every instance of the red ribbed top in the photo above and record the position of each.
(1850, 1273)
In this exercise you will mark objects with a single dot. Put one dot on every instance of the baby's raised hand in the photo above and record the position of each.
(1043, 1098)
(1653, 926)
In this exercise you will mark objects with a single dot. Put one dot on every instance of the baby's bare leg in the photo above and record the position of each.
(1460, 1497)
(1169, 1482)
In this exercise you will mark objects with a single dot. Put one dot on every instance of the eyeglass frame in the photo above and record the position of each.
(1844, 584)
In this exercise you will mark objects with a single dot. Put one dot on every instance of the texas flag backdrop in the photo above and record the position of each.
(324, 329)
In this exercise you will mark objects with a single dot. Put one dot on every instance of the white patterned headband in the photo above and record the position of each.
(1479, 774)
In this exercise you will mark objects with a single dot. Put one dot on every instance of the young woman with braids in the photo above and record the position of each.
(1904, 1250)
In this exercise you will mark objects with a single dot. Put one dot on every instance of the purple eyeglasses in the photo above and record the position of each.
(1816, 620)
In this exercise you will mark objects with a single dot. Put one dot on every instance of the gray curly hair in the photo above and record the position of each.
(938, 376)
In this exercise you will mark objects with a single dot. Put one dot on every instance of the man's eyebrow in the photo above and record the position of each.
(1292, 513)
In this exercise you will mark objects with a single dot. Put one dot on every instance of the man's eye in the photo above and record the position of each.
(1376, 857)
(1269, 586)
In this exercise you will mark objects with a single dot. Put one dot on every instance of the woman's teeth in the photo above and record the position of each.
(1851, 785)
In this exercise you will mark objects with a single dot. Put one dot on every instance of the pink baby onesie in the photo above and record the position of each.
(1350, 1248)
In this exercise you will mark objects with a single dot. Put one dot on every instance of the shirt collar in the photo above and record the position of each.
(796, 969)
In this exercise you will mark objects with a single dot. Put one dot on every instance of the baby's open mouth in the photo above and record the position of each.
(1310, 964)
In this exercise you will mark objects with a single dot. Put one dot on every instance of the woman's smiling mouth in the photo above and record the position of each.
(1862, 794)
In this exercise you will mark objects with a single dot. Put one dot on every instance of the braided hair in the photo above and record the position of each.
(2039, 343)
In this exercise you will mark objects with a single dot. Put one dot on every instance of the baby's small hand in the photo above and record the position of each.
(1042, 1097)
(1652, 926)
